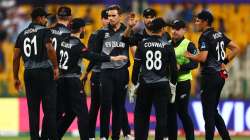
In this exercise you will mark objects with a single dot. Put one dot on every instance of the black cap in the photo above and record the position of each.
(149, 12)
(38, 12)
(206, 15)
(104, 14)
(157, 24)
(77, 23)
(177, 24)
(64, 11)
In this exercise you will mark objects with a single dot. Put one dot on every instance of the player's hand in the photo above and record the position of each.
(173, 92)
(188, 54)
(119, 58)
(56, 73)
(132, 92)
(131, 20)
(178, 67)
(224, 71)
(17, 84)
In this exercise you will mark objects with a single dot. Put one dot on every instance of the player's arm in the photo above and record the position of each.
(202, 56)
(192, 64)
(52, 57)
(92, 47)
(234, 50)
(16, 64)
(137, 66)
(92, 56)
(172, 65)
(51, 52)
(134, 42)
(131, 23)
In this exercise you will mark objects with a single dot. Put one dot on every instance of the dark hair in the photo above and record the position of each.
(206, 16)
(115, 7)
(157, 24)
(75, 30)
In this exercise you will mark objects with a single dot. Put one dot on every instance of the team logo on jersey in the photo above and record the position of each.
(203, 45)
(106, 35)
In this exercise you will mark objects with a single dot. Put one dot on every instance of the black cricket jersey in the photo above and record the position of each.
(93, 47)
(59, 32)
(70, 54)
(139, 36)
(32, 43)
(215, 43)
(113, 43)
(154, 61)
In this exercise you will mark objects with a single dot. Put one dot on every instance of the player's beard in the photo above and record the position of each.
(147, 25)
(81, 35)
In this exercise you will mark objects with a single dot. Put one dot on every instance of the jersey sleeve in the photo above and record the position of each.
(18, 42)
(168, 37)
(135, 39)
(172, 64)
(226, 40)
(192, 64)
(91, 47)
(137, 65)
(203, 45)
(47, 36)
(92, 56)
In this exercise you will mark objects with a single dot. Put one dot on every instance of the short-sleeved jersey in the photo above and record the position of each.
(215, 43)
(113, 43)
(32, 43)
(155, 56)
(58, 33)
(70, 53)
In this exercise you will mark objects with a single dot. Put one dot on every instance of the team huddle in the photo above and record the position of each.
(161, 75)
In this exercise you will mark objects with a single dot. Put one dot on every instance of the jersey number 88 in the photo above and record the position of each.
(153, 60)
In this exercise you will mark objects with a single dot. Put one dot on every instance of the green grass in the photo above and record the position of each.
(151, 138)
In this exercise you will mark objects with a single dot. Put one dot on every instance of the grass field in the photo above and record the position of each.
(151, 138)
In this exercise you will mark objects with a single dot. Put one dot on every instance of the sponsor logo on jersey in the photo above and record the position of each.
(114, 44)
(203, 45)
(107, 35)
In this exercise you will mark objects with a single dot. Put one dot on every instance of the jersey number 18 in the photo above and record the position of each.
(220, 51)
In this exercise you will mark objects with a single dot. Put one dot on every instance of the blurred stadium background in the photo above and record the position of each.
(231, 17)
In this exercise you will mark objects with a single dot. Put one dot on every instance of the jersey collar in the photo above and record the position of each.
(208, 29)
(122, 28)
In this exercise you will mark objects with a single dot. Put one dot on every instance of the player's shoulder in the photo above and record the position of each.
(74, 40)
(59, 30)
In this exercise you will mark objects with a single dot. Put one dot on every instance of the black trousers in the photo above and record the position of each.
(41, 87)
(180, 107)
(75, 106)
(211, 87)
(148, 95)
(113, 92)
(95, 106)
